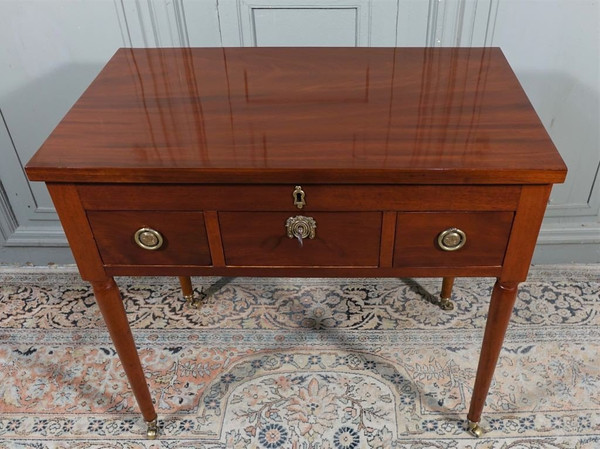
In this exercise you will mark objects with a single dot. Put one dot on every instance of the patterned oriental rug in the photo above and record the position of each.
(299, 364)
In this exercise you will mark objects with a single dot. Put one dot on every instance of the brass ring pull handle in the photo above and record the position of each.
(301, 227)
(148, 238)
(452, 239)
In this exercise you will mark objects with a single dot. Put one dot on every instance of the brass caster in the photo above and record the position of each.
(194, 302)
(152, 431)
(446, 304)
(475, 429)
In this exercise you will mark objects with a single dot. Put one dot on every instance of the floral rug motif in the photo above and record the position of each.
(299, 363)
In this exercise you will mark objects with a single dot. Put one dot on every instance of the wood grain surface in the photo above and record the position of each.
(327, 115)
(113, 312)
(347, 239)
(279, 197)
(184, 236)
(487, 235)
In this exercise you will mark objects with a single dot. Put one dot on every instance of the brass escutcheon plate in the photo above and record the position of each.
(299, 197)
(301, 227)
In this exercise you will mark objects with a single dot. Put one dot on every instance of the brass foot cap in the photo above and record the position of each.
(152, 432)
(190, 301)
(195, 302)
(446, 304)
(475, 429)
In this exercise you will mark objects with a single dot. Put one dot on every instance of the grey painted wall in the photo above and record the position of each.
(52, 49)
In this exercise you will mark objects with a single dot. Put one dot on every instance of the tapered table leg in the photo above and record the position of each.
(186, 289)
(188, 292)
(501, 306)
(111, 306)
(446, 295)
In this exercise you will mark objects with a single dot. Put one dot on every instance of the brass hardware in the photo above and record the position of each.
(195, 301)
(189, 299)
(475, 429)
(446, 304)
(301, 227)
(148, 238)
(299, 195)
(452, 239)
(152, 431)
(445, 301)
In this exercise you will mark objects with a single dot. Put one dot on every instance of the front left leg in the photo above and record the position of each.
(111, 306)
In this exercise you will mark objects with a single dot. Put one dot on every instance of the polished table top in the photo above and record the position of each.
(271, 115)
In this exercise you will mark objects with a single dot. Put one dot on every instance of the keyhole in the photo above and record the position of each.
(298, 197)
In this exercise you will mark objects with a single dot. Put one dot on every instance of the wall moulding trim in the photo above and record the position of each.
(246, 17)
(571, 206)
(37, 237)
(169, 24)
(586, 233)
(181, 23)
(13, 184)
(46, 210)
(572, 210)
(152, 23)
(461, 23)
(8, 220)
(356, 8)
(491, 22)
(123, 25)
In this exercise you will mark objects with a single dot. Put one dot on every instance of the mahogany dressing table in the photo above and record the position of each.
(328, 162)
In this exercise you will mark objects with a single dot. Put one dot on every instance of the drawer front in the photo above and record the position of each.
(323, 198)
(341, 239)
(485, 239)
(183, 234)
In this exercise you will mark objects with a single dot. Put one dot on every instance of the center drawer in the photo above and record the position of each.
(261, 239)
